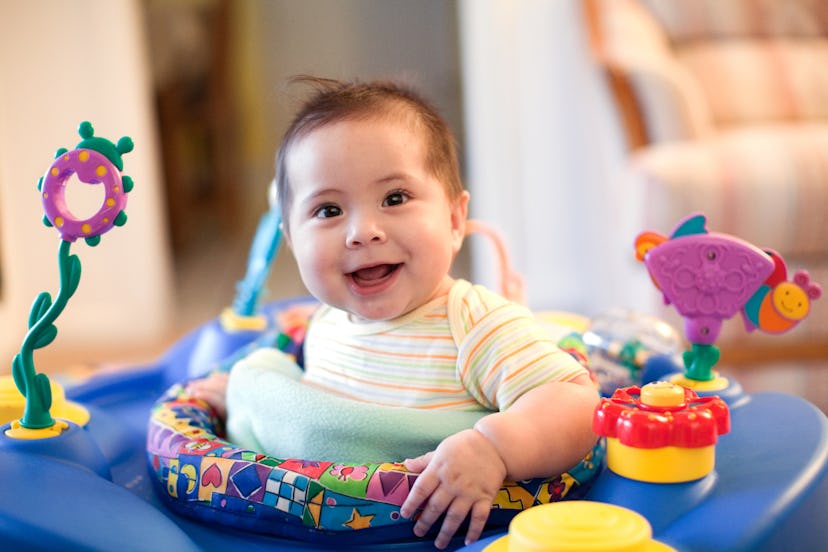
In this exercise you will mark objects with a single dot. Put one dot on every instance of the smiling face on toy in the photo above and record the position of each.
(791, 301)
(372, 229)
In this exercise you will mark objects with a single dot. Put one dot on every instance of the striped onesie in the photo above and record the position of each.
(469, 350)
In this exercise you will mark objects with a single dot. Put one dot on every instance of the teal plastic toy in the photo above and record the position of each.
(95, 161)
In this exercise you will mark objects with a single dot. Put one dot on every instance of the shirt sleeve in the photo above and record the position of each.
(503, 351)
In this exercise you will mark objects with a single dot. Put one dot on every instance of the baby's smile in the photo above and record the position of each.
(369, 278)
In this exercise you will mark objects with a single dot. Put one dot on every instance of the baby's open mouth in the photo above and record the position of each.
(373, 275)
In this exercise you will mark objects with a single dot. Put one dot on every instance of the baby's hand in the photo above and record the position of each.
(461, 477)
(212, 390)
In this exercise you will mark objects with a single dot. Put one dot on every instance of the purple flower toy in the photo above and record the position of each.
(95, 161)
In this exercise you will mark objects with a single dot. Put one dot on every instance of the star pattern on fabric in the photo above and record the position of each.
(358, 521)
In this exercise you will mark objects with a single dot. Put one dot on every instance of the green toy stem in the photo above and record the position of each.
(699, 362)
(42, 331)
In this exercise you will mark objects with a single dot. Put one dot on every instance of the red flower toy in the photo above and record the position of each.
(661, 433)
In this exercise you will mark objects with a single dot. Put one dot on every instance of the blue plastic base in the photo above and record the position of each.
(769, 489)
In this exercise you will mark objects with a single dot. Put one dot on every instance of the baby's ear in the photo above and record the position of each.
(459, 214)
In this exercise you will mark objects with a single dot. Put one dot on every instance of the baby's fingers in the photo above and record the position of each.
(437, 504)
(477, 520)
(455, 515)
(419, 493)
(418, 464)
(211, 390)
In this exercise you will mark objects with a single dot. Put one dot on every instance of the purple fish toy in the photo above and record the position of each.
(708, 278)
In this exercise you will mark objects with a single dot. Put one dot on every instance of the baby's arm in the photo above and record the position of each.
(212, 390)
(545, 432)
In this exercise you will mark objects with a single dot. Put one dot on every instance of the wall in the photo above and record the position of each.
(62, 63)
(358, 39)
(545, 155)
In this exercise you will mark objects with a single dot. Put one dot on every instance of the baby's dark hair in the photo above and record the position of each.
(333, 101)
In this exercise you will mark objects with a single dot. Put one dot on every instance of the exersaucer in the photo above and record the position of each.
(693, 462)
(89, 486)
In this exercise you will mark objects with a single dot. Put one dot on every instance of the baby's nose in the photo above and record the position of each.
(364, 230)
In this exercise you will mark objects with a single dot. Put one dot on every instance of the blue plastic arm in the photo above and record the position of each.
(262, 252)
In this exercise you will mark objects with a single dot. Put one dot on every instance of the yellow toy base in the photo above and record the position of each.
(718, 383)
(232, 322)
(659, 465)
(12, 404)
(578, 526)
(17, 431)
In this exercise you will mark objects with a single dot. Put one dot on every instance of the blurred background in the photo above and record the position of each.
(580, 124)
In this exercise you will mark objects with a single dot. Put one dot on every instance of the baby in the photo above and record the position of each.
(374, 211)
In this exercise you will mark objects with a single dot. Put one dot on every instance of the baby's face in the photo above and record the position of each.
(373, 232)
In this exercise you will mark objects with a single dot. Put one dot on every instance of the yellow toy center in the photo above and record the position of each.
(662, 393)
(12, 404)
(718, 383)
(660, 465)
(578, 526)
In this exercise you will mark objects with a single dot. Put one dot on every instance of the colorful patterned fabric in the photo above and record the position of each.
(201, 475)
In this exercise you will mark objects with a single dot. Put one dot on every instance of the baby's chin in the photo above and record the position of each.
(368, 315)
(377, 311)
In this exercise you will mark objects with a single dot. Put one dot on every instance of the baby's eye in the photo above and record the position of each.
(395, 198)
(327, 211)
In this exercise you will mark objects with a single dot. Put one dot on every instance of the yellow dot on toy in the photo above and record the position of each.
(116, 189)
(83, 156)
(66, 157)
(110, 202)
(106, 220)
(58, 221)
(100, 170)
(45, 195)
(662, 393)
(85, 228)
(55, 171)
